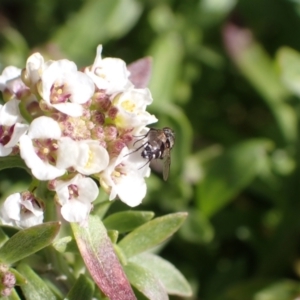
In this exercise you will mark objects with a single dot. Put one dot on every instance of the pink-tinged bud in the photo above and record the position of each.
(127, 138)
(6, 292)
(98, 118)
(102, 101)
(117, 147)
(68, 128)
(9, 280)
(98, 133)
(112, 113)
(110, 132)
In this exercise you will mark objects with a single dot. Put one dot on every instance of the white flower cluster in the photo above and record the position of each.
(78, 124)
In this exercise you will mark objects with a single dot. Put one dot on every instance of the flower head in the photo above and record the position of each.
(64, 88)
(109, 74)
(124, 177)
(75, 197)
(39, 146)
(21, 210)
(83, 124)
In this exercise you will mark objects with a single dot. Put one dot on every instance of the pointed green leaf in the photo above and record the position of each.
(127, 220)
(101, 209)
(98, 254)
(167, 64)
(281, 290)
(35, 288)
(289, 64)
(28, 241)
(20, 279)
(3, 237)
(113, 235)
(82, 289)
(145, 282)
(172, 280)
(151, 234)
(231, 172)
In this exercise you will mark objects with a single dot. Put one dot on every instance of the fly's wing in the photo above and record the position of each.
(166, 169)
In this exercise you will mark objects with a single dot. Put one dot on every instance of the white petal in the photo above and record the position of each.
(44, 128)
(76, 211)
(10, 113)
(67, 154)
(88, 190)
(40, 169)
(12, 206)
(19, 130)
(34, 66)
(93, 158)
(8, 73)
(81, 87)
(132, 189)
(4, 151)
(70, 109)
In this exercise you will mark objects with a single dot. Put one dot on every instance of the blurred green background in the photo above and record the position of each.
(226, 78)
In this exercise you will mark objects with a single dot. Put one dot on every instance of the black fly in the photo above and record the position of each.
(158, 146)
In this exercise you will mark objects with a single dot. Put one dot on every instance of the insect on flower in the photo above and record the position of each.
(158, 146)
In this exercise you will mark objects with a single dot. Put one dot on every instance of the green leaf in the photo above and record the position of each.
(98, 254)
(172, 280)
(28, 241)
(151, 234)
(113, 235)
(12, 162)
(145, 282)
(283, 290)
(14, 48)
(289, 63)
(101, 209)
(96, 21)
(61, 245)
(35, 288)
(166, 67)
(231, 172)
(82, 289)
(3, 237)
(256, 65)
(20, 279)
(127, 220)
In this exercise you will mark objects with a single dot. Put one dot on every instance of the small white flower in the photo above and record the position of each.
(34, 68)
(124, 177)
(86, 156)
(109, 74)
(132, 108)
(11, 84)
(21, 211)
(11, 126)
(38, 148)
(65, 88)
(75, 197)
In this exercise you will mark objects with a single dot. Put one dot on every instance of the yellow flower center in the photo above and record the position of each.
(128, 105)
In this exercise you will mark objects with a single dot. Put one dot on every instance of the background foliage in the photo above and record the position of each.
(226, 78)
